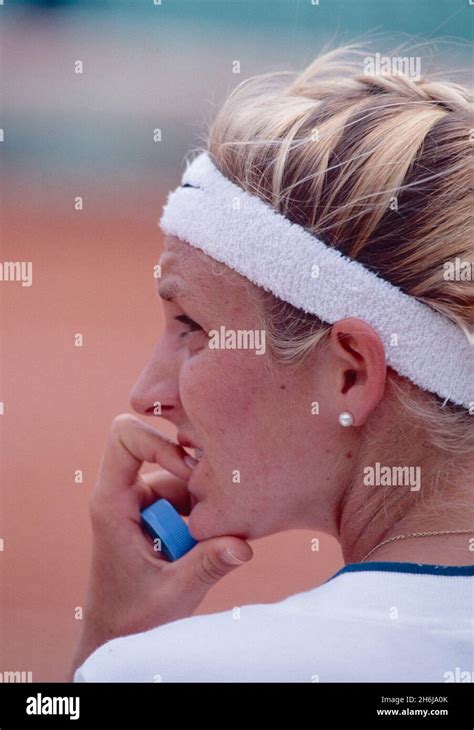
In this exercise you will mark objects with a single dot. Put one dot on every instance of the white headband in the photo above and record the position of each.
(249, 236)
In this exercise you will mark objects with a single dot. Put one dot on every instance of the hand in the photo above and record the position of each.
(131, 586)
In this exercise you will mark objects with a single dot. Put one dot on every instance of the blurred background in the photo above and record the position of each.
(146, 66)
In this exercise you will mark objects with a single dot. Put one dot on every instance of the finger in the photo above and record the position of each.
(162, 484)
(130, 443)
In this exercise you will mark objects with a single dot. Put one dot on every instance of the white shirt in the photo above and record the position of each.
(370, 622)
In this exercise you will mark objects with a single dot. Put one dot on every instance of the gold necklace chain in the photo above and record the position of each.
(416, 534)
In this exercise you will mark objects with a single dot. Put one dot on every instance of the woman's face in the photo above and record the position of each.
(267, 460)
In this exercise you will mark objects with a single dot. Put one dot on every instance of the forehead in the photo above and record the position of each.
(175, 253)
(173, 244)
(188, 272)
(176, 260)
(181, 259)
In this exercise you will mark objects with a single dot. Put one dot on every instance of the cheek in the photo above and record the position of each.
(232, 403)
(214, 389)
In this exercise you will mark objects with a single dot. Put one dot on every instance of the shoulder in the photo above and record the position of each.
(233, 645)
(339, 631)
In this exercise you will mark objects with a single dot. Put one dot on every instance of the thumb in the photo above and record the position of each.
(209, 561)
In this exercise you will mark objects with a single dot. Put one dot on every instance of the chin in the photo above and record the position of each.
(202, 527)
(196, 525)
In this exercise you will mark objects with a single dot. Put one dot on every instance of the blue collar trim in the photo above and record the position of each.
(394, 567)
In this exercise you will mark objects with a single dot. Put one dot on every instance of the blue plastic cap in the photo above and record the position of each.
(162, 521)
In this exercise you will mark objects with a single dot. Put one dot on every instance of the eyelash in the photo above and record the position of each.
(190, 322)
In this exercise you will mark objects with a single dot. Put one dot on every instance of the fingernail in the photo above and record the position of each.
(232, 558)
(190, 461)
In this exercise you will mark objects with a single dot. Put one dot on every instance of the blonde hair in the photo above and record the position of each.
(376, 166)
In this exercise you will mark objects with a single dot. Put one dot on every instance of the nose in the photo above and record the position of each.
(156, 391)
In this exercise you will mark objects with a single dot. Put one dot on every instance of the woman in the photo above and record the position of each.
(323, 370)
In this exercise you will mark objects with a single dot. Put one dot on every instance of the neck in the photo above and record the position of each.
(449, 549)
(369, 515)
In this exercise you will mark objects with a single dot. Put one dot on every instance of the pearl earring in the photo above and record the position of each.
(346, 418)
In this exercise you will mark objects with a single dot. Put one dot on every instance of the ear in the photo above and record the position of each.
(359, 368)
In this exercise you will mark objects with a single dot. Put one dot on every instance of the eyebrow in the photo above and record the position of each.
(168, 290)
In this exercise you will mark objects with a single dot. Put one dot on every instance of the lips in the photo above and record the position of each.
(184, 441)
(195, 480)
(198, 453)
